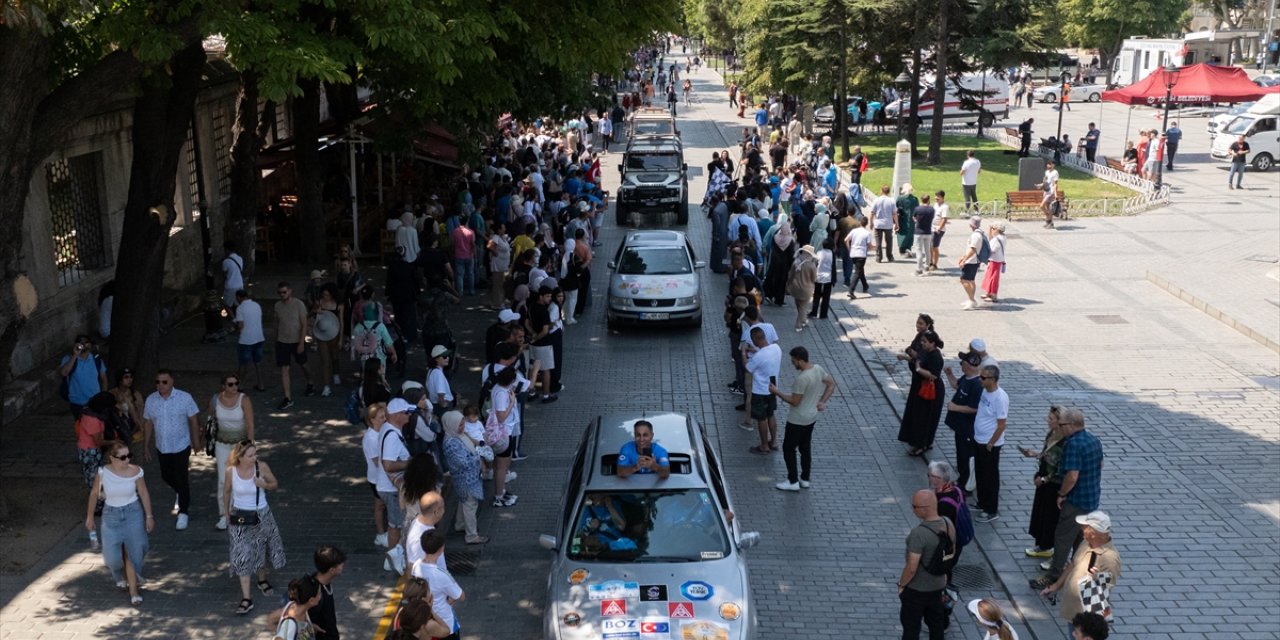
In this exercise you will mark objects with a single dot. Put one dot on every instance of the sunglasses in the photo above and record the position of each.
(126, 456)
(246, 442)
(164, 382)
(231, 384)
(987, 377)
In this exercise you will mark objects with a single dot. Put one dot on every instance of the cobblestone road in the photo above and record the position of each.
(1186, 408)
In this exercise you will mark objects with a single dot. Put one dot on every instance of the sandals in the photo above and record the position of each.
(246, 605)
(265, 588)
(915, 453)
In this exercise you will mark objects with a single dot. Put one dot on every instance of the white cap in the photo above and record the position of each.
(410, 384)
(1096, 520)
(398, 405)
(977, 344)
(440, 350)
(507, 315)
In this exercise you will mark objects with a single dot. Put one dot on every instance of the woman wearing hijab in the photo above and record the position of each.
(407, 237)
(907, 204)
(925, 399)
(819, 226)
(463, 456)
(781, 256)
(804, 272)
(570, 269)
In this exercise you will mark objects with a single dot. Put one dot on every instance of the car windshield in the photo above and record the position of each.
(654, 261)
(653, 162)
(649, 526)
(1239, 126)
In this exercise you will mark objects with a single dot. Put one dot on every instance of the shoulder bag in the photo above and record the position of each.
(241, 518)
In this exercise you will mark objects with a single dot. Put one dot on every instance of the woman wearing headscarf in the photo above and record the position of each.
(407, 236)
(818, 227)
(782, 247)
(570, 279)
(804, 272)
(463, 458)
(907, 204)
(925, 399)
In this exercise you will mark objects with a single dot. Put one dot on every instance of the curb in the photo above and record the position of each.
(1212, 311)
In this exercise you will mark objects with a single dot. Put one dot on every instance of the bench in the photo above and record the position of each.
(1118, 165)
(1029, 202)
(1012, 133)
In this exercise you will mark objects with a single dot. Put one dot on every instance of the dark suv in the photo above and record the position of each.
(654, 179)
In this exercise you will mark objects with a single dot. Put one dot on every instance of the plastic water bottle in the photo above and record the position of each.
(93, 541)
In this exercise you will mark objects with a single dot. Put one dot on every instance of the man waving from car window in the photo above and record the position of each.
(642, 455)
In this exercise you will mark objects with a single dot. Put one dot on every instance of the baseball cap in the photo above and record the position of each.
(440, 351)
(410, 384)
(398, 405)
(975, 221)
(978, 344)
(971, 358)
(507, 315)
(316, 274)
(1096, 520)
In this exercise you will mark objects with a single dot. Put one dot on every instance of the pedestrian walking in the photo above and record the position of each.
(923, 219)
(169, 424)
(969, 262)
(924, 400)
(1048, 482)
(822, 282)
(252, 338)
(129, 405)
(330, 562)
(763, 363)
(295, 619)
(253, 534)
(996, 240)
(370, 340)
(1050, 200)
(1095, 569)
(920, 586)
(232, 274)
(1081, 490)
(859, 243)
(375, 415)
(809, 395)
(988, 437)
(84, 374)
(969, 171)
(883, 214)
(291, 327)
(904, 226)
(126, 517)
(800, 283)
(962, 410)
(91, 432)
(326, 328)
(990, 620)
(1173, 135)
(232, 411)
(1024, 131)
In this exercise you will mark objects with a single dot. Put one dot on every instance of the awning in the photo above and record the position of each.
(1195, 84)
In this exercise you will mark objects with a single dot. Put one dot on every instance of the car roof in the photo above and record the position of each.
(654, 237)
(674, 431)
(658, 143)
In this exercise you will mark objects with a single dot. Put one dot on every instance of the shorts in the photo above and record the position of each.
(969, 272)
(395, 511)
(247, 353)
(505, 453)
(545, 355)
(763, 406)
(1048, 197)
(287, 352)
(937, 237)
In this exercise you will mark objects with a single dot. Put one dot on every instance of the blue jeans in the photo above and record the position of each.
(123, 529)
(464, 272)
(1237, 170)
(846, 262)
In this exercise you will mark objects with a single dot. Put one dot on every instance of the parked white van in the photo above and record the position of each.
(1259, 127)
(990, 91)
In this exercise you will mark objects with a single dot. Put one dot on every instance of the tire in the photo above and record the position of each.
(623, 215)
(987, 120)
(1263, 162)
(697, 322)
(1049, 97)
(682, 214)
(1095, 97)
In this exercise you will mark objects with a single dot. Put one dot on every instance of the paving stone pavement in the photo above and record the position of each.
(1186, 408)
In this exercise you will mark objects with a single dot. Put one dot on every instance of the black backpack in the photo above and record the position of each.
(415, 445)
(943, 557)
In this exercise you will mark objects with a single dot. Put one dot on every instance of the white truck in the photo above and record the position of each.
(1259, 127)
(989, 91)
(1138, 57)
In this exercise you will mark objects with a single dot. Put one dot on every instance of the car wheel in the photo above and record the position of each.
(1095, 97)
(1049, 97)
(1262, 162)
(682, 214)
(622, 214)
(697, 322)
(987, 120)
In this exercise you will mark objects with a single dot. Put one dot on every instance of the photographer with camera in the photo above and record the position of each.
(84, 375)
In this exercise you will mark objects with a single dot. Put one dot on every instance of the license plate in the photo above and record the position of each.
(655, 316)
(650, 203)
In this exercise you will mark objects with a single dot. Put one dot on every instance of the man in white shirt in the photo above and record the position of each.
(885, 222)
(969, 171)
(763, 365)
(430, 512)
(1050, 186)
(394, 456)
(859, 242)
(249, 348)
(169, 422)
(233, 274)
(969, 263)
(445, 591)
(988, 438)
(942, 211)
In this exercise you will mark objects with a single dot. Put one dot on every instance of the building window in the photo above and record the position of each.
(77, 212)
(222, 148)
(193, 179)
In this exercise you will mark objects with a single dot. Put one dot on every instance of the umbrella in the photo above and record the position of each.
(1195, 84)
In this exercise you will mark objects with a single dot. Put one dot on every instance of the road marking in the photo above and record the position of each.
(389, 613)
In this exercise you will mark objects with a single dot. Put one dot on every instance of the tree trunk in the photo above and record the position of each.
(162, 116)
(913, 119)
(842, 116)
(934, 156)
(308, 172)
(247, 133)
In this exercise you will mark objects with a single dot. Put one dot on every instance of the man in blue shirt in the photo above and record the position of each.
(762, 121)
(1091, 142)
(85, 374)
(1081, 491)
(1173, 135)
(642, 455)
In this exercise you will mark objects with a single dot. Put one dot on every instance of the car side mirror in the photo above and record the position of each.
(684, 166)
(701, 264)
(612, 265)
(619, 167)
(746, 540)
(547, 542)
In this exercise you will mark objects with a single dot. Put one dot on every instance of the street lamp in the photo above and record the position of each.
(1062, 99)
(903, 81)
(1170, 79)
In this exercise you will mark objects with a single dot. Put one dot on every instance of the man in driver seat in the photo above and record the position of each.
(643, 455)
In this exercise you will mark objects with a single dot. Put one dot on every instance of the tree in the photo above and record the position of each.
(1104, 24)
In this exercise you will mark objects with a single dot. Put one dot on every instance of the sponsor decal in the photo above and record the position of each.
(680, 610)
(613, 608)
(614, 590)
(697, 590)
(653, 593)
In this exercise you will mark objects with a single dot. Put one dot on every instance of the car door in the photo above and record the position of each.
(569, 500)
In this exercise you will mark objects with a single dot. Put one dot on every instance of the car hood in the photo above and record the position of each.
(651, 601)
(677, 286)
(653, 177)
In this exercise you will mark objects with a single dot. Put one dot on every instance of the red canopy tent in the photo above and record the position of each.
(1195, 84)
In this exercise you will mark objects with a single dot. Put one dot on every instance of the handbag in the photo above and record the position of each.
(247, 518)
(210, 435)
(928, 390)
(1095, 591)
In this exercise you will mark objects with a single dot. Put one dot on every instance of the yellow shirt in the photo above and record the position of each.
(521, 244)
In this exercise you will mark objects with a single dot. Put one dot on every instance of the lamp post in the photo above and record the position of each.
(1062, 99)
(1170, 79)
(903, 81)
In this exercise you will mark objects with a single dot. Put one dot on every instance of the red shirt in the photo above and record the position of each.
(464, 242)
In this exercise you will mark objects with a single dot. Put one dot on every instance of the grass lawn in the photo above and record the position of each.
(999, 170)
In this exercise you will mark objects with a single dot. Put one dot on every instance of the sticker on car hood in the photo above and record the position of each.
(697, 590)
(653, 593)
(613, 589)
(704, 631)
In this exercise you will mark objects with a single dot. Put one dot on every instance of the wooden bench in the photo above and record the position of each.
(1118, 165)
(1023, 202)
(1012, 133)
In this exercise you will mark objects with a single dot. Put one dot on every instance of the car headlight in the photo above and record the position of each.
(686, 302)
(621, 302)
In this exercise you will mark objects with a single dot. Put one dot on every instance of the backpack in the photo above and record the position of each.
(943, 557)
(365, 345)
(984, 252)
(964, 520)
(64, 388)
(415, 444)
(354, 407)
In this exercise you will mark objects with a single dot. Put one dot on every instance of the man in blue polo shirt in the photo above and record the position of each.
(1081, 490)
(85, 374)
(642, 455)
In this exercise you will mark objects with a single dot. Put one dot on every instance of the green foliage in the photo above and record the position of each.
(1104, 24)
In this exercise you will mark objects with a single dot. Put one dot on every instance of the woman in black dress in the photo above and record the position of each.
(924, 322)
(782, 252)
(924, 401)
(1048, 481)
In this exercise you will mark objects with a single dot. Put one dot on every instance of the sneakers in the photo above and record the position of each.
(507, 500)
(221, 524)
(337, 380)
(804, 484)
(121, 584)
(1037, 552)
(94, 544)
(787, 486)
(487, 474)
(734, 387)
(520, 456)
(747, 425)
(511, 475)
(1046, 565)
(987, 517)
(386, 563)
(182, 522)
(396, 555)
(326, 392)
(174, 510)
(381, 539)
(968, 305)
(549, 399)
(311, 390)
(1040, 583)
(284, 404)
